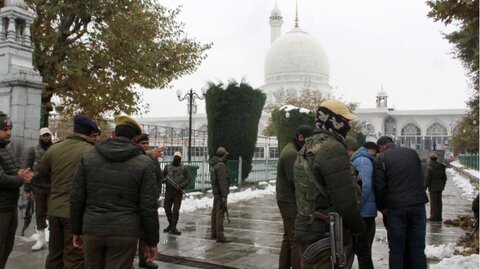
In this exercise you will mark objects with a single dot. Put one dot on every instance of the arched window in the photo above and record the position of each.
(410, 136)
(390, 126)
(436, 136)
(411, 130)
(436, 129)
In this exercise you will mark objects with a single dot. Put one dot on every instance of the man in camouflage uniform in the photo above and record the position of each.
(220, 187)
(285, 194)
(324, 183)
(11, 179)
(180, 175)
(40, 188)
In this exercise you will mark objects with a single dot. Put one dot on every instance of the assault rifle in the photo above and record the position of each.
(226, 213)
(27, 215)
(175, 185)
(334, 240)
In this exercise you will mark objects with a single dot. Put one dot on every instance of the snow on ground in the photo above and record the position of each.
(191, 203)
(468, 262)
(464, 184)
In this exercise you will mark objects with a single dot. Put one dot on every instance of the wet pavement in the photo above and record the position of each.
(256, 230)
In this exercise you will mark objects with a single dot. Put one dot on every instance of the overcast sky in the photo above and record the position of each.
(369, 44)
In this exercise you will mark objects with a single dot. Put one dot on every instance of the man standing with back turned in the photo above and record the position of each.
(58, 167)
(401, 197)
(285, 194)
(435, 180)
(114, 195)
(324, 183)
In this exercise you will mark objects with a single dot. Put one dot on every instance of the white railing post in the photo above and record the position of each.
(239, 171)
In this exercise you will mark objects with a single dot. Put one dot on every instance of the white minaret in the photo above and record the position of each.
(275, 22)
(20, 85)
(382, 98)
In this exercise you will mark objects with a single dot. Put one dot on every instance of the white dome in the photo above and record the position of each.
(296, 53)
(275, 12)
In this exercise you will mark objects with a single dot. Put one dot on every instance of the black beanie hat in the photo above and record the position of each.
(84, 125)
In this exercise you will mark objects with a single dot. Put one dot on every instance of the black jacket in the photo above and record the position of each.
(115, 192)
(398, 179)
(10, 182)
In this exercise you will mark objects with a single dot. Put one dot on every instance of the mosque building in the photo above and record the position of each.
(296, 60)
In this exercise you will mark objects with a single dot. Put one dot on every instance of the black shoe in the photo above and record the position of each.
(148, 265)
(174, 230)
(166, 230)
(223, 240)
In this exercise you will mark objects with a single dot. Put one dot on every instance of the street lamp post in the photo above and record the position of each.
(190, 96)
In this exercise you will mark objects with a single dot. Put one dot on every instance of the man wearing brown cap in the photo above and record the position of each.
(221, 188)
(40, 188)
(435, 181)
(323, 167)
(285, 194)
(114, 197)
(58, 167)
(400, 196)
(177, 177)
(11, 179)
(144, 142)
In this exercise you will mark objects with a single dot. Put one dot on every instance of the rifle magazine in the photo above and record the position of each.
(314, 249)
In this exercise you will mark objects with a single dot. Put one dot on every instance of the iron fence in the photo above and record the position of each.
(469, 160)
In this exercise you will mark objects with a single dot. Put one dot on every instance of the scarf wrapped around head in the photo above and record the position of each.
(328, 120)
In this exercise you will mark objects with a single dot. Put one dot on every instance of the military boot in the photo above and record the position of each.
(168, 229)
(174, 230)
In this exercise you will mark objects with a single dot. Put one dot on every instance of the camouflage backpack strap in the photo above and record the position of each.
(310, 175)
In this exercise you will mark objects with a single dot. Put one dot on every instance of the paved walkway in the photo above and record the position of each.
(256, 231)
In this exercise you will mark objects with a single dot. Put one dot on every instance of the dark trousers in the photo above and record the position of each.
(289, 252)
(435, 205)
(218, 212)
(8, 226)
(362, 244)
(141, 251)
(40, 196)
(172, 199)
(323, 258)
(406, 228)
(61, 253)
(109, 251)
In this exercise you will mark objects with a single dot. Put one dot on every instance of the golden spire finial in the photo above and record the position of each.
(296, 14)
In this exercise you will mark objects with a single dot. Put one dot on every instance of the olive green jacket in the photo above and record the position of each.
(58, 167)
(327, 158)
(115, 192)
(219, 177)
(435, 178)
(285, 186)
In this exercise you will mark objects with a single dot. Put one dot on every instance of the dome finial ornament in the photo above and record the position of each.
(15, 3)
(296, 14)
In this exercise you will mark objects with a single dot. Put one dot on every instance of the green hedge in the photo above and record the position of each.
(233, 114)
(285, 127)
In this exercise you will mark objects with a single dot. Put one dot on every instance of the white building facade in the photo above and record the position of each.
(295, 61)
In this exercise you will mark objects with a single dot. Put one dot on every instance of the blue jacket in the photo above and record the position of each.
(362, 160)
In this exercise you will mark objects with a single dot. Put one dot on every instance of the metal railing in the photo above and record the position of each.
(469, 160)
(262, 170)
